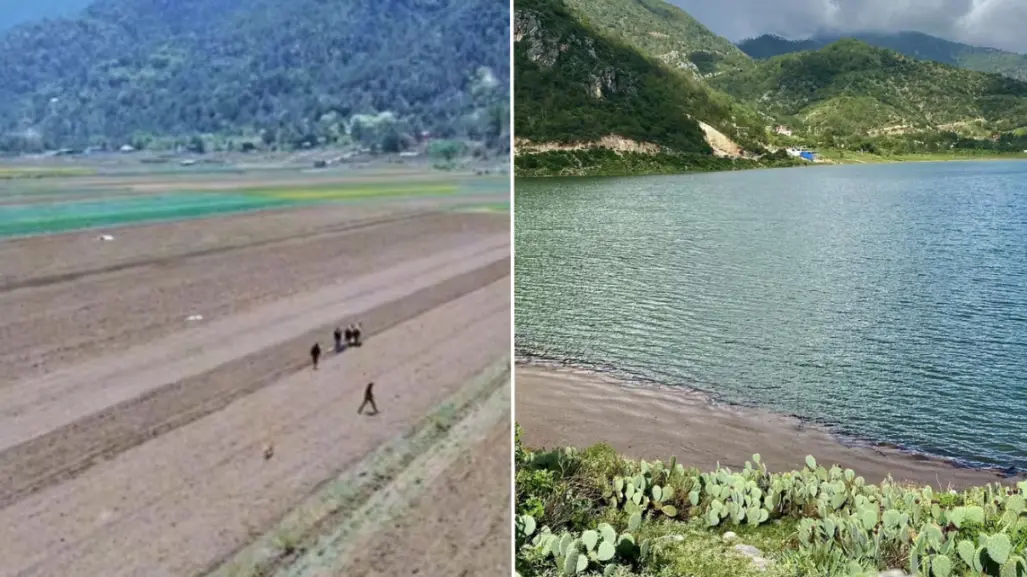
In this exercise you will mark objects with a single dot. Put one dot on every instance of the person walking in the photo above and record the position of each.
(368, 399)
(338, 339)
(315, 354)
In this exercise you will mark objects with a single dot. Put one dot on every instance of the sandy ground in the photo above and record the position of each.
(440, 538)
(131, 440)
(81, 301)
(557, 409)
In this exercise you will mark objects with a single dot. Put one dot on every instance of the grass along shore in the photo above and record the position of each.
(838, 156)
(606, 162)
(593, 511)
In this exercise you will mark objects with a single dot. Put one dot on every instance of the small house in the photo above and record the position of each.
(803, 154)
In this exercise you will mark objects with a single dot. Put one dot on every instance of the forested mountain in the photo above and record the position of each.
(574, 84)
(914, 44)
(771, 45)
(291, 73)
(852, 88)
(662, 31)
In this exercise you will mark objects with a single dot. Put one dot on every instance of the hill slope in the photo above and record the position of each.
(914, 44)
(297, 72)
(575, 85)
(852, 88)
(662, 31)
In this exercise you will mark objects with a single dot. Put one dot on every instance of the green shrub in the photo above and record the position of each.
(839, 524)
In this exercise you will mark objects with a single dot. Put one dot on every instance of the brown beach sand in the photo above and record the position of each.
(559, 408)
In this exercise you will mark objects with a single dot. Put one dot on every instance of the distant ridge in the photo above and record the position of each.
(914, 44)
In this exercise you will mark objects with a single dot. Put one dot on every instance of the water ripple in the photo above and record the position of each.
(885, 301)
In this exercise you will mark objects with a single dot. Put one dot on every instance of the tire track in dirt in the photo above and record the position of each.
(70, 450)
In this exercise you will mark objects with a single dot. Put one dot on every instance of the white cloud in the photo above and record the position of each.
(996, 23)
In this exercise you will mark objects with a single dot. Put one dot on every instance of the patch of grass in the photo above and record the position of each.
(691, 549)
(850, 157)
(815, 521)
(15, 173)
(498, 207)
(337, 192)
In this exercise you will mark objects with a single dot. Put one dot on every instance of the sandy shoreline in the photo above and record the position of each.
(562, 408)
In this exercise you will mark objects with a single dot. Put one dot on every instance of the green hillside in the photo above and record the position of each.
(573, 85)
(771, 45)
(852, 88)
(914, 44)
(663, 31)
(297, 73)
(589, 71)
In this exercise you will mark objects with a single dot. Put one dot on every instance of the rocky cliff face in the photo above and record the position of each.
(545, 48)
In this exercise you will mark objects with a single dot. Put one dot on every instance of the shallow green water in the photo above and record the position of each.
(889, 302)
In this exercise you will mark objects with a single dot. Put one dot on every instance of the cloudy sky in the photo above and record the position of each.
(996, 23)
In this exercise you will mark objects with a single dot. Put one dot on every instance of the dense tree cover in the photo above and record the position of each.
(771, 45)
(913, 44)
(574, 84)
(663, 31)
(296, 73)
(936, 143)
(606, 162)
(850, 87)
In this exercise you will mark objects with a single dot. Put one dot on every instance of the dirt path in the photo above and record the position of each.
(144, 455)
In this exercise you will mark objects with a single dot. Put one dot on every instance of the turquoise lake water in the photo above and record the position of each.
(888, 302)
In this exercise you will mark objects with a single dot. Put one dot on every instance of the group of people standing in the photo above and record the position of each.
(352, 336)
